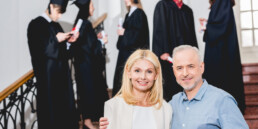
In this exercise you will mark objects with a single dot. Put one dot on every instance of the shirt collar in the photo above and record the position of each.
(44, 15)
(200, 93)
(132, 9)
(179, 4)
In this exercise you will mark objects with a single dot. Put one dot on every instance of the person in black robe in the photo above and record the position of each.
(222, 58)
(89, 64)
(173, 26)
(49, 57)
(133, 35)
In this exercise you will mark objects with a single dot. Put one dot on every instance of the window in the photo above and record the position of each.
(249, 22)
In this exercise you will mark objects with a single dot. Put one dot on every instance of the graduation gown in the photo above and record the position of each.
(136, 36)
(89, 64)
(49, 58)
(172, 27)
(223, 67)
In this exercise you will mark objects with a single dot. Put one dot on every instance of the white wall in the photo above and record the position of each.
(14, 52)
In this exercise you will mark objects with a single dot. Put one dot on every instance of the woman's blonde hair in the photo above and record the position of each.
(156, 92)
(139, 5)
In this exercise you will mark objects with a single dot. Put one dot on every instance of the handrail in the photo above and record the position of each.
(15, 85)
(99, 20)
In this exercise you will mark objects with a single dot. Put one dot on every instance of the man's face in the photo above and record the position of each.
(55, 13)
(128, 2)
(188, 69)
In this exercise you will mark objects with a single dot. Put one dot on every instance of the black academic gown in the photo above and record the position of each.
(55, 98)
(136, 36)
(172, 27)
(222, 58)
(89, 64)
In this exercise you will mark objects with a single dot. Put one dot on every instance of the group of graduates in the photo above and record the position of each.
(51, 48)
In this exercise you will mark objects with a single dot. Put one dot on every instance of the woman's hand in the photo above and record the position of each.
(74, 36)
(103, 123)
(120, 32)
(103, 38)
(203, 23)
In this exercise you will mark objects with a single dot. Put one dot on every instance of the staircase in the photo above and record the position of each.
(250, 76)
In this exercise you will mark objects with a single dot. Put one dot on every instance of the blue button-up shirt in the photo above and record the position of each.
(211, 108)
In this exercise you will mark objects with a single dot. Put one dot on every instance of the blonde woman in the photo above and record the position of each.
(139, 103)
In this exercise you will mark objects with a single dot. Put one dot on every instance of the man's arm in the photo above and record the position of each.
(230, 116)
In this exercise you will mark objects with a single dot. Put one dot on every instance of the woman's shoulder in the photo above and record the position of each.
(140, 11)
(87, 24)
(167, 106)
(115, 100)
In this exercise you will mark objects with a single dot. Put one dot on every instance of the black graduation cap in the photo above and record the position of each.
(82, 3)
(62, 3)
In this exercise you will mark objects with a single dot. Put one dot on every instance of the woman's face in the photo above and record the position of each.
(55, 13)
(128, 2)
(142, 75)
(91, 8)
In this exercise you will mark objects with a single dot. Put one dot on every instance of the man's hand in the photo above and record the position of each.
(164, 56)
(62, 36)
(103, 123)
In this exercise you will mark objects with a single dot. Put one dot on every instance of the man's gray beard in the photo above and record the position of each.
(191, 87)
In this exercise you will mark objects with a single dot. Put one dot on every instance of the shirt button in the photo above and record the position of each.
(187, 108)
(183, 125)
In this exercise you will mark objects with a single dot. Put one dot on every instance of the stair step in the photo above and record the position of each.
(251, 104)
(253, 123)
(251, 98)
(250, 73)
(251, 89)
(251, 117)
(250, 67)
(252, 82)
(250, 92)
(251, 110)
(250, 78)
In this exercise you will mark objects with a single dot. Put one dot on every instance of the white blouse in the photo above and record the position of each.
(143, 118)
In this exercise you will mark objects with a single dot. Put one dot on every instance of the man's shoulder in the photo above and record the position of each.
(218, 92)
(162, 3)
(186, 8)
(176, 97)
(38, 20)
